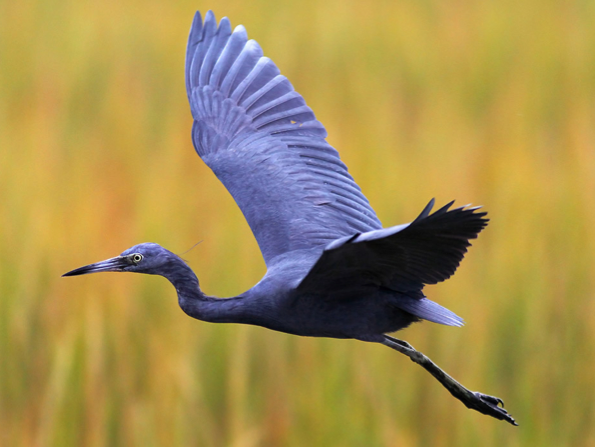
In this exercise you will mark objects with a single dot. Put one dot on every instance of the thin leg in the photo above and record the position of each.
(476, 401)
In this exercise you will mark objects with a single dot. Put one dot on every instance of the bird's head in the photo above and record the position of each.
(142, 258)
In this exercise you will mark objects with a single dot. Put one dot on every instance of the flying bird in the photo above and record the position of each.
(332, 269)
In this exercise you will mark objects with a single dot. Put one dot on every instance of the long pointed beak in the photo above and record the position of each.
(109, 265)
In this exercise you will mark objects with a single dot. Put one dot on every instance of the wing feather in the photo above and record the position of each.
(402, 258)
(266, 146)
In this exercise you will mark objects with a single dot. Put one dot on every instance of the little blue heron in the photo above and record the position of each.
(332, 270)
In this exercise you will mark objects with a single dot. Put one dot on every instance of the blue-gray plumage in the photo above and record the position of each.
(332, 270)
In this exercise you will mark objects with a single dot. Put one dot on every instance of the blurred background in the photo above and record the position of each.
(490, 103)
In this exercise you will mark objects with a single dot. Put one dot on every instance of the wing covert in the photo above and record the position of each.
(265, 145)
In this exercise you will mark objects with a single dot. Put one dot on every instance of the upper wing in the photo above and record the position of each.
(402, 258)
(265, 145)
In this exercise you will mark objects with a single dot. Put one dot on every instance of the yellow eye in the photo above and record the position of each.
(136, 258)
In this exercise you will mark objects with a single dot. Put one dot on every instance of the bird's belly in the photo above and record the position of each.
(351, 317)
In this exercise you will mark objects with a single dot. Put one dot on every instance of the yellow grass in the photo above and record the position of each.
(486, 102)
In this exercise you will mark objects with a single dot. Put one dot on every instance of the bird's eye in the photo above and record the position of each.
(136, 258)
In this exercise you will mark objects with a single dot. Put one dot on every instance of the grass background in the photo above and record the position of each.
(486, 102)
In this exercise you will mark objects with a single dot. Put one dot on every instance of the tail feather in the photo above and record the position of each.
(429, 310)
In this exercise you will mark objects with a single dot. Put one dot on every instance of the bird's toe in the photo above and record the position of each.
(491, 406)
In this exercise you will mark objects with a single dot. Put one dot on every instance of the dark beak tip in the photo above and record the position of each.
(75, 272)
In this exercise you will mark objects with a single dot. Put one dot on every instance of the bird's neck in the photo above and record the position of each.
(195, 303)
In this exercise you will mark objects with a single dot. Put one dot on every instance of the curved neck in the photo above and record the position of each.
(195, 303)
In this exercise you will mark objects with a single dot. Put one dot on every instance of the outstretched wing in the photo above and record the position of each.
(265, 145)
(402, 258)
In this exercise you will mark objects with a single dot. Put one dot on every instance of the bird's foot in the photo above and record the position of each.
(489, 405)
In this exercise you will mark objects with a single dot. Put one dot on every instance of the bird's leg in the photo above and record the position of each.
(476, 401)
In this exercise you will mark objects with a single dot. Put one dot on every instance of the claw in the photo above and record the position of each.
(491, 406)
(492, 399)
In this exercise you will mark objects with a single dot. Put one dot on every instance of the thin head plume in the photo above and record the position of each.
(191, 248)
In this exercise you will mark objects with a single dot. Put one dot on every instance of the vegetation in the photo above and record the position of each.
(486, 102)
